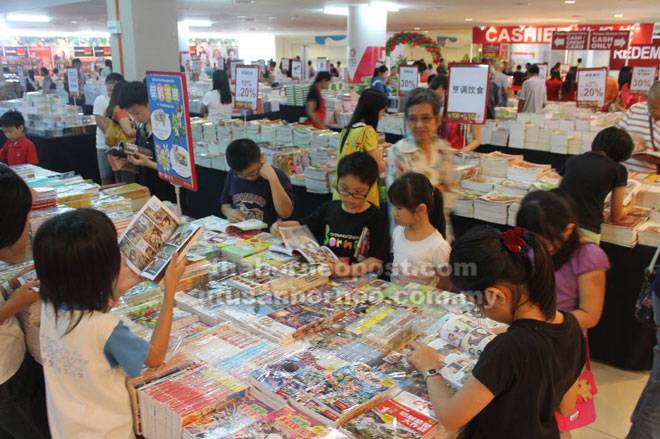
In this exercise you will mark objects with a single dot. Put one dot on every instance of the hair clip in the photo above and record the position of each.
(512, 239)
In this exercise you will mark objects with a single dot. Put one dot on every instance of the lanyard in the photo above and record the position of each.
(652, 132)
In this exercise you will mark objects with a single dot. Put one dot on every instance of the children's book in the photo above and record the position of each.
(286, 423)
(153, 236)
(250, 224)
(301, 240)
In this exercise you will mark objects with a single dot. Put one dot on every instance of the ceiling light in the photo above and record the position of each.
(241, 17)
(416, 28)
(244, 2)
(198, 23)
(269, 28)
(618, 15)
(391, 7)
(569, 2)
(28, 18)
(74, 22)
(468, 19)
(335, 10)
(272, 18)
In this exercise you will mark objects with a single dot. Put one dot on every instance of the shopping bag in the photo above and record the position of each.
(644, 304)
(585, 411)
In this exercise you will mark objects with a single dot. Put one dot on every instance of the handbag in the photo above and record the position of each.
(114, 132)
(644, 304)
(585, 411)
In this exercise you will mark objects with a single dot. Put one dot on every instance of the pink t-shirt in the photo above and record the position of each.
(587, 258)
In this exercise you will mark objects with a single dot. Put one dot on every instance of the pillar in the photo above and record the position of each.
(147, 38)
(367, 35)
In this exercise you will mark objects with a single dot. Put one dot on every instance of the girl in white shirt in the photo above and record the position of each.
(217, 103)
(87, 351)
(421, 253)
(22, 396)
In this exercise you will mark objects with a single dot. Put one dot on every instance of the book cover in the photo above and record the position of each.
(228, 420)
(285, 423)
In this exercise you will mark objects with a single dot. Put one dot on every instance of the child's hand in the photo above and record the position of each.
(235, 216)
(275, 229)
(423, 357)
(267, 171)
(127, 279)
(174, 272)
(25, 295)
(339, 268)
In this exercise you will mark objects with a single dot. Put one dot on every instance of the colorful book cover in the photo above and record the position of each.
(300, 318)
(285, 423)
(392, 419)
(228, 420)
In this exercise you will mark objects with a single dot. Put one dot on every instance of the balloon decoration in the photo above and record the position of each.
(414, 39)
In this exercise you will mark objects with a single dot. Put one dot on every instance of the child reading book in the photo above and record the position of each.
(87, 351)
(525, 374)
(589, 177)
(18, 150)
(420, 251)
(23, 400)
(352, 228)
(253, 188)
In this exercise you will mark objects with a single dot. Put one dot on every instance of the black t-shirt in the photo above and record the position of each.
(529, 369)
(340, 231)
(518, 77)
(313, 94)
(588, 178)
(149, 177)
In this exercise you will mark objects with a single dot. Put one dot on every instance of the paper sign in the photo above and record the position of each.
(608, 40)
(21, 76)
(322, 65)
(467, 93)
(284, 63)
(591, 87)
(170, 124)
(72, 77)
(232, 67)
(408, 79)
(543, 70)
(642, 79)
(296, 69)
(247, 88)
(578, 40)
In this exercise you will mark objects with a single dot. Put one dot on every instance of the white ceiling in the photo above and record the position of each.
(295, 16)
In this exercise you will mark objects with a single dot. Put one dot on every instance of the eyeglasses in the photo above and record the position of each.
(254, 174)
(345, 193)
(424, 119)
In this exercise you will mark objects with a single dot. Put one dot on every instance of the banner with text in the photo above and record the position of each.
(467, 93)
(642, 79)
(408, 79)
(578, 40)
(608, 40)
(591, 87)
(247, 88)
(170, 124)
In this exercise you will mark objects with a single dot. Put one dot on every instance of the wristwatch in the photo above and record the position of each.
(431, 373)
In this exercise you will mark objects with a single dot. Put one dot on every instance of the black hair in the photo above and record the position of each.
(615, 142)
(438, 81)
(44, 71)
(369, 105)
(309, 63)
(483, 261)
(625, 76)
(76, 61)
(320, 77)
(569, 80)
(114, 98)
(56, 71)
(77, 259)
(420, 96)
(557, 66)
(555, 74)
(413, 189)
(241, 153)
(380, 69)
(12, 118)
(16, 202)
(30, 74)
(338, 63)
(108, 63)
(533, 69)
(221, 84)
(579, 60)
(114, 77)
(518, 67)
(133, 93)
(360, 165)
(431, 78)
(548, 213)
(272, 64)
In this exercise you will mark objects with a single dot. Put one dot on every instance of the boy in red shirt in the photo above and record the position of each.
(18, 150)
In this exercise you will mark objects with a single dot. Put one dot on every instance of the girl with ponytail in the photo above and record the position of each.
(525, 374)
(420, 250)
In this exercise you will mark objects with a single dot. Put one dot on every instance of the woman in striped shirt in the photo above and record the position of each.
(642, 121)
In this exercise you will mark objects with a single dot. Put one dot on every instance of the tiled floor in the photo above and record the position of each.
(618, 391)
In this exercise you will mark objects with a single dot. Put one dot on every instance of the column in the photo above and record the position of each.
(367, 35)
(148, 37)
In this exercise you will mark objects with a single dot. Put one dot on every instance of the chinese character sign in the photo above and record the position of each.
(467, 93)
(72, 77)
(296, 69)
(247, 88)
(408, 79)
(642, 79)
(591, 87)
(170, 124)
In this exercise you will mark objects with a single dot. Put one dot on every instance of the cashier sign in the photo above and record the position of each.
(467, 93)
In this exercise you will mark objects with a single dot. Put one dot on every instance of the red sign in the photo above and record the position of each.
(543, 34)
(570, 40)
(490, 50)
(102, 51)
(82, 51)
(637, 56)
(608, 40)
(16, 51)
(43, 54)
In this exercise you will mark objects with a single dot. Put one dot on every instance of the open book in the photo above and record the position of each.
(153, 236)
(300, 239)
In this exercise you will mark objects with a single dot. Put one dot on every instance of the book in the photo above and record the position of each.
(301, 240)
(259, 280)
(153, 236)
(248, 247)
(250, 224)
(287, 423)
(391, 419)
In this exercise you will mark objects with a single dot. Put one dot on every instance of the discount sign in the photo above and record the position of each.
(408, 79)
(247, 87)
(74, 88)
(591, 87)
(642, 79)
(296, 69)
(467, 93)
(322, 65)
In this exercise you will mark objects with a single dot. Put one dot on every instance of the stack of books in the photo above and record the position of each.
(526, 171)
(480, 183)
(464, 204)
(137, 193)
(623, 232)
(494, 207)
(44, 196)
(317, 179)
(496, 164)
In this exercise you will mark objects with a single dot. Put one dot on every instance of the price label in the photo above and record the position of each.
(642, 79)
(72, 77)
(467, 93)
(591, 87)
(247, 88)
(296, 69)
(408, 79)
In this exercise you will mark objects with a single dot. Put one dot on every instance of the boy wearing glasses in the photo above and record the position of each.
(355, 230)
(254, 189)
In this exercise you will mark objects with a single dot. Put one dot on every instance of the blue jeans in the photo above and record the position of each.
(646, 417)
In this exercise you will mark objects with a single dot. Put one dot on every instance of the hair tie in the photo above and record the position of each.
(513, 240)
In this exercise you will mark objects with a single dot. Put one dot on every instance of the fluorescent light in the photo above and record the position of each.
(569, 2)
(416, 28)
(28, 18)
(391, 7)
(198, 23)
(53, 33)
(335, 10)
(618, 15)
(468, 19)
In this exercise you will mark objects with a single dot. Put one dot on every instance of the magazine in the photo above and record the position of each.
(300, 239)
(153, 236)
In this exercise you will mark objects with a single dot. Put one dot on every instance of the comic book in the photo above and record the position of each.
(299, 239)
(391, 420)
(153, 236)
